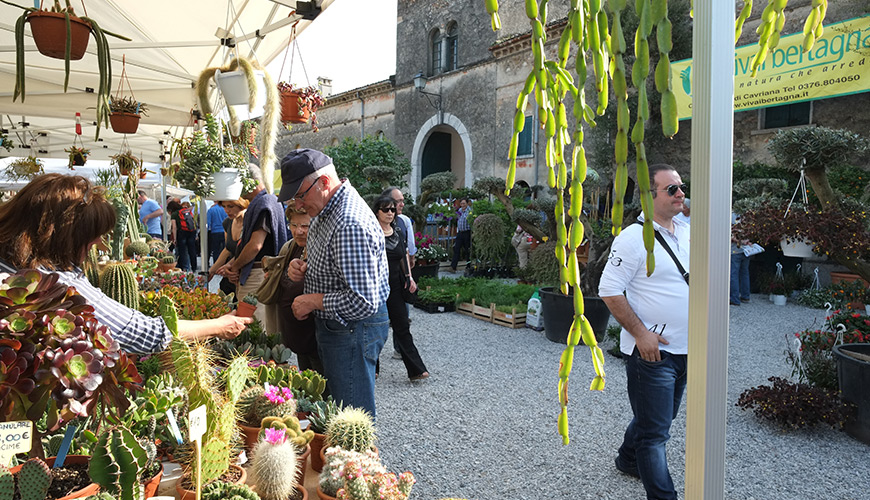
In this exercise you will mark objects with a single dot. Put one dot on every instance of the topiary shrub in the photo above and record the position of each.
(488, 234)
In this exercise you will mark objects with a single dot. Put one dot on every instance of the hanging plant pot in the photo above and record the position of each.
(234, 87)
(796, 248)
(124, 123)
(779, 300)
(291, 110)
(79, 160)
(49, 33)
(227, 185)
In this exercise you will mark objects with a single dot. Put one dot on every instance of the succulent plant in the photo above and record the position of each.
(56, 360)
(91, 267)
(119, 282)
(220, 490)
(168, 259)
(291, 427)
(139, 248)
(310, 382)
(101, 496)
(247, 400)
(117, 463)
(351, 429)
(332, 476)
(275, 466)
(250, 299)
(383, 486)
(274, 402)
(322, 414)
(34, 478)
(7, 484)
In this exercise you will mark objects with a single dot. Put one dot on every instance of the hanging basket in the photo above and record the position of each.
(227, 185)
(291, 110)
(796, 248)
(79, 160)
(49, 33)
(234, 87)
(124, 123)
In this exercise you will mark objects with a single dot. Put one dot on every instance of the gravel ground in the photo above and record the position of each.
(483, 425)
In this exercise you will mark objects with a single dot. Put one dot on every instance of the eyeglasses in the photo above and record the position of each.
(400, 200)
(388, 209)
(296, 226)
(301, 196)
(672, 189)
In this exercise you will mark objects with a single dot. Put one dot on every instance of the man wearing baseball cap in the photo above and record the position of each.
(346, 276)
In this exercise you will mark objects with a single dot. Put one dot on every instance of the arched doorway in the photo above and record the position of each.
(436, 154)
(441, 147)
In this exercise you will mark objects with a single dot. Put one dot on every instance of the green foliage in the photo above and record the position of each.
(322, 413)
(543, 267)
(119, 282)
(820, 147)
(795, 406)
(351, 429)
(436, 295)
(220, 490)
(489, 236)
(117, 463)
(203, 155)
(351, 157)
(250, 298)
(34, 479)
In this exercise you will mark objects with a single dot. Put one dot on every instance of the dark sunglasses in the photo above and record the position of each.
(388, 209)
(672, 189)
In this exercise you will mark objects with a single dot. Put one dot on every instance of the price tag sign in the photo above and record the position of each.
(197, 423)
(15, 437)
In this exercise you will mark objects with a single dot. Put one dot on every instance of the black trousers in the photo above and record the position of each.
(463, 240)
(398, 312)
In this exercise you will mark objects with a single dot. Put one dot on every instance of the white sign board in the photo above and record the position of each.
(15, 437)
(197, 423)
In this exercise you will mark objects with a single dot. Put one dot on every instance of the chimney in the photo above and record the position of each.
(325, 85)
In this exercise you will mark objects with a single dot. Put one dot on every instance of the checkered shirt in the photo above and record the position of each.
(462, 223)
(347, 260)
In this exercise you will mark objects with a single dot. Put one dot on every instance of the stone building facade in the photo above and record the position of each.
(462, 123)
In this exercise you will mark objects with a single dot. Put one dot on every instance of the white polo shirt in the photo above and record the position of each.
(661, 301)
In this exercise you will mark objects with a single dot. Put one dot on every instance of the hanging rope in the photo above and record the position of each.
(123, 79)
(802, 187)
(292, 49)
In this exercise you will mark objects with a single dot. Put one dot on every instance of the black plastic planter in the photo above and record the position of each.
(854, 377)
(558, 311)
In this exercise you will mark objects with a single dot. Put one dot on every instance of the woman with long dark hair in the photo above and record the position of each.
(400, 281)
(52, 223)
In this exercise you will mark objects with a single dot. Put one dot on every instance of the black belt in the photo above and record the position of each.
(257, 265)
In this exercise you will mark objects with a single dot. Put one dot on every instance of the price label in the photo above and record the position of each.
(15, 437)
(197, 423)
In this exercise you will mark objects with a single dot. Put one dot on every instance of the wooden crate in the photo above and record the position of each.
(511, 320)
(475, 311)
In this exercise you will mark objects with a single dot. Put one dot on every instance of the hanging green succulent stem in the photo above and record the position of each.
(550, 82)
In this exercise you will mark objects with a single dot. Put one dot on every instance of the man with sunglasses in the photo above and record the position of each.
(654, 314)
(346, 275)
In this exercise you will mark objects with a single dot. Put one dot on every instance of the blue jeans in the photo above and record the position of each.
(655, 391)
(185, 247)
(349, 355)
(739, 277)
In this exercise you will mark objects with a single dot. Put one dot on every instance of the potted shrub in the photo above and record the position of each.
(77, 156)
(24, 168)
(300, 103)
(208, 168)
(128, 164)
(61, 34)
(428, 257)
(125, 113)
(247, 306)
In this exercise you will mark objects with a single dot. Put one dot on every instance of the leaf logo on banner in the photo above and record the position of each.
(686, 77)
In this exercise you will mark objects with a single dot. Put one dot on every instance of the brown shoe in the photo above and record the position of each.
(421, 376)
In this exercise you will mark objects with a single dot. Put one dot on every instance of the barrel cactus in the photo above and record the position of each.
(275, 465)
(351, 429)
(91, 266)
(220, 490)
(119, 282)
(275, 402)
(137, 248)
(332, 476)
(247, 400)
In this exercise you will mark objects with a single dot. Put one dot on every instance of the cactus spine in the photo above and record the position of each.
(220, 490)
(34, 479)
(263, 408)
(359, 486)
(117, 462)
(351, 429)
(275, 467)
(332, 476)
(119, 282)
(247, 400)
(7, 484)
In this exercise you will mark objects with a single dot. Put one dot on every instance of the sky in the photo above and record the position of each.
(352, 41)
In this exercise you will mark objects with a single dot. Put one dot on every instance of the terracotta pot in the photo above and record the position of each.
(167, 267)
(245, 310)
(316, 452)
(250, 434)
(152, 484)
(49, 33)
(303, 461)
(290, 109)
(124, 123)
(323, 496)
(184, 494)
(88, 490)
(301, 489)
(124, 170)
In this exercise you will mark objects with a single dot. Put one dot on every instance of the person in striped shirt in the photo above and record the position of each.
(52, 223)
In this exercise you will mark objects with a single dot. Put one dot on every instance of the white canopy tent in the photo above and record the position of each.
(172, 42)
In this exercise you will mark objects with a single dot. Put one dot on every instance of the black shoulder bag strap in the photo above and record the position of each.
(664, 243)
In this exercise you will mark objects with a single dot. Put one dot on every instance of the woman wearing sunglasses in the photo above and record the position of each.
(401, 282)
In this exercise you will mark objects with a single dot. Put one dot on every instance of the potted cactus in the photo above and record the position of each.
(118, 281)
(35, 477)
(78, 156)
(247, 306)
(127, 163)
(276, 466)
(167, 263)
(261, 401)
(207, 165)
(321, 414)
(125, 113)
(24, 169)
(119, 461)
(300, 439)
(221, 490)
(350, 429)
(336, 460)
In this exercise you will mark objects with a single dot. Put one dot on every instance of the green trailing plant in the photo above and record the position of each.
(34, 479)
(489, 237)
(203, 154)
(322, 413)
(127, 104)
(351, 429)
(128, 163)
(193, 366)
(104, 59)
(595, 31)
(795, 406)
(335, 463)
(117, 463)
(119, 282)
(24, 169)
(309, 97)
(269, 120)
(275, 465)
(220, 490)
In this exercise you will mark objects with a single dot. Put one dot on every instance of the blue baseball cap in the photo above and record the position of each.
(297, 165)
